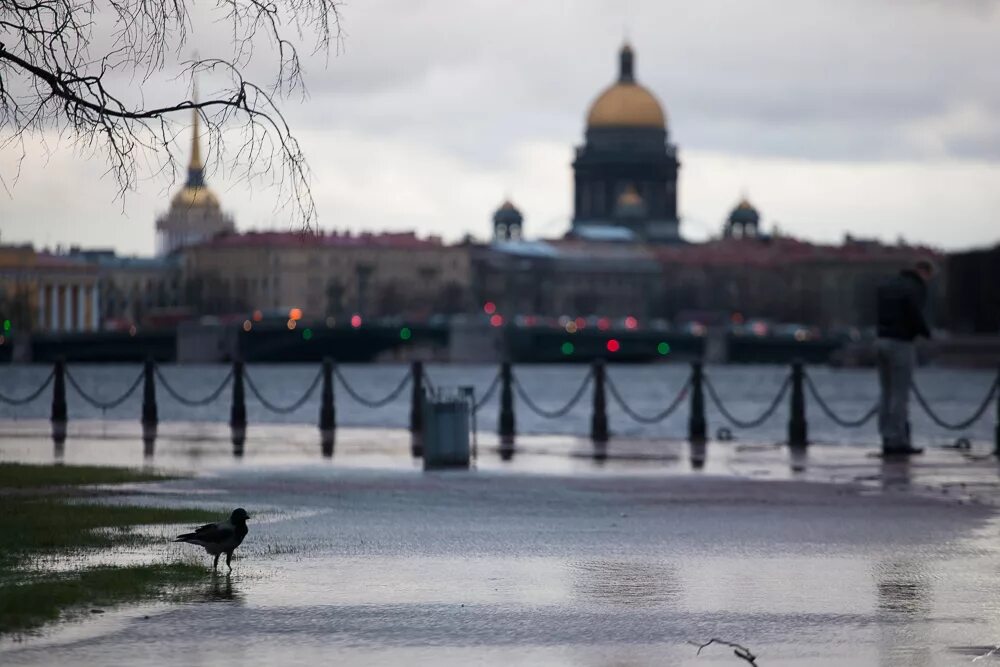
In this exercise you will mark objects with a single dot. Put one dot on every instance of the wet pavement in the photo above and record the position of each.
(554, 558)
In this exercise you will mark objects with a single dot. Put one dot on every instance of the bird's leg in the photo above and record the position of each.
(229, 557)
(215, 566)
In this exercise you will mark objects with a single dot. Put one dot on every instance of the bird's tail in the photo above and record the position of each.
(184, 538)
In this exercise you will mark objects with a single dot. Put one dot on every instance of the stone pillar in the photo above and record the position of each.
(81, 308)
(42, 307)
(95, 308)
(54, 308)
(67, 308)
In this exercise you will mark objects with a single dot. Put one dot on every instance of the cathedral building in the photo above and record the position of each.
(194, 215)
(625, 173)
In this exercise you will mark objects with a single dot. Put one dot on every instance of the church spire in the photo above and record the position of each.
(626, 59)
(196, 174)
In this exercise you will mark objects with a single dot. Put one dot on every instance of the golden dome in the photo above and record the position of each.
(197, 195)
(626, 103)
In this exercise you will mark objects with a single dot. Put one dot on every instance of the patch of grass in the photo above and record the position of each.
(40, 526)
(25, 476)
(43, 515)
(25, 606)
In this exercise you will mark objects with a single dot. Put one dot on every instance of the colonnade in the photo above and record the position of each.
(65, 306)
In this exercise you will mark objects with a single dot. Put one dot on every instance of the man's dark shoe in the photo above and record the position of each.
(901, 451)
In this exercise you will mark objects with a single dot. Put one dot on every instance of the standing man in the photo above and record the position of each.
(901, 320)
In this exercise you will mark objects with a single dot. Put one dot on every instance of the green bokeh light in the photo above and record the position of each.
(405, 333)
(663, 348)
(6, 325)
(307, 334)
(567, 348)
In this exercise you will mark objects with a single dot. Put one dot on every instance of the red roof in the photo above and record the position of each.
(784, 250)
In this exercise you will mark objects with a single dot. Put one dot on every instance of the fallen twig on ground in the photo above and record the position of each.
(738, 650)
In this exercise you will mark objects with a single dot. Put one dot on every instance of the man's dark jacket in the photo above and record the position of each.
(901, 307)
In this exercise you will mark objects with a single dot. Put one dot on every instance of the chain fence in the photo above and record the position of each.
(834, 417)
(956, 426)
(196, 402)
(488, 394)
(286, 409)
(96, 402)
(371, 403)
(553, 414)
(30, 397)
(647, 419)
(749, 423)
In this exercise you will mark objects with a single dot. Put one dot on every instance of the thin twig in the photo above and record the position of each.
(738, 650)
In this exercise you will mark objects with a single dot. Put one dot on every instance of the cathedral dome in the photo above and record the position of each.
(197, 195)
(626, 103)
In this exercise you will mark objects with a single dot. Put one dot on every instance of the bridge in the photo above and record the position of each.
(312, 342)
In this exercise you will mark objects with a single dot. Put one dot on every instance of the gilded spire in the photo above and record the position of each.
(196, 175)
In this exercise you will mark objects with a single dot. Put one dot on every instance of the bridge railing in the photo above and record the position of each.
(795, 390)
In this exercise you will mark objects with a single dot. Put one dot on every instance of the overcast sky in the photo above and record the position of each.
(879, 119)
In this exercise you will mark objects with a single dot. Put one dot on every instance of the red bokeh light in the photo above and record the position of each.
(580, 323)
(631, 322)
(613, 345)
(257, 316)
(496, 320)
(604, 324)
(489, 308)
(355, 321)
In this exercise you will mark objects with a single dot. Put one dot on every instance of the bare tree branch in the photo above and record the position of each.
(59, 74)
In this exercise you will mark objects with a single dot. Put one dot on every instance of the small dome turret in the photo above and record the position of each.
(507, 222)
(743, 222)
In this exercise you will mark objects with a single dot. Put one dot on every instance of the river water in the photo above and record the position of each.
(745, 390)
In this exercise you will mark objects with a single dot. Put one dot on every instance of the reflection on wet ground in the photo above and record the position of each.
(553, 559)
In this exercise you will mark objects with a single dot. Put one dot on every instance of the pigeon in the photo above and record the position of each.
(220, 538)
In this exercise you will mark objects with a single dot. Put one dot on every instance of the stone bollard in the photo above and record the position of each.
(238, 413)
(150, 416)
(327, 411)
(506, 427)
(60, 415)
(417, 410)
(697, 426)
(798, 429)
(599, 416)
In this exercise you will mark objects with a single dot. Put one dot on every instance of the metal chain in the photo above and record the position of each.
(962, 424)
(554, 414)
(30, 397)
(752, 423)
(840, 421)
(104, 405)
(642, 419)
(284, 410)
(368, 402)
(427, 382)
(193, 403)
(488, 394)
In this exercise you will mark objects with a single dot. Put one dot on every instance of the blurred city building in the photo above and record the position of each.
(625, 173)
(973, 279)
(327, 275)
(40, 291)
(571, 276)
(135, 290)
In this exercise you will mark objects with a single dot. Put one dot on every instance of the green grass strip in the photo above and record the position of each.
(26, 476)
